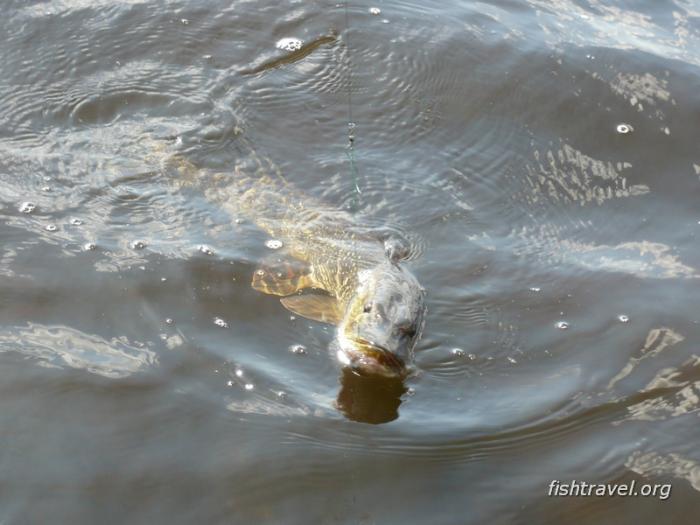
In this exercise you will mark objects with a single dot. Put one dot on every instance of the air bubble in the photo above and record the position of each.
(229, 383)
(623, 128)
(298, 349)
(274, 244)
(535, 289)
(138, 245)
(76, 222)
(50, 228)
(375, 11)
(281, 394)
(27, 207)
(89, 246)
(206, 250)
(562, 325)
(220, 322)
(623, 318)
(184, 21)
(168, 321)
(458, 352)
(249, 386)
(46, 189)
(289, 44)
(239, 372)
(512, 360)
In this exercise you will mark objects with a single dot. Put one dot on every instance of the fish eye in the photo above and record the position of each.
(367, 308)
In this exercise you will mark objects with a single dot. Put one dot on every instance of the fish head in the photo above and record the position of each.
(382, 322)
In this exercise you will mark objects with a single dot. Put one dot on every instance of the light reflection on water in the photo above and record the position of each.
(143, 379)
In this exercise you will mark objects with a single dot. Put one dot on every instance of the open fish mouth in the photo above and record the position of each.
(370, 358)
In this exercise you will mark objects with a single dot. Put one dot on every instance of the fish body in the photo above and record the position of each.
(332, 268)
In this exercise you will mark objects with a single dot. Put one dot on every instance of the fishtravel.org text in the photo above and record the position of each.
(582, 488)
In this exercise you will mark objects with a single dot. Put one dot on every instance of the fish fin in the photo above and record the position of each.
(282, 276)
(324, 308)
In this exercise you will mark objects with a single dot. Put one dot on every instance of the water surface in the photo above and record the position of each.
(542, 158)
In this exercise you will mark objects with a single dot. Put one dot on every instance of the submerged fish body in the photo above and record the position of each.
(298, 51)
(332, 269)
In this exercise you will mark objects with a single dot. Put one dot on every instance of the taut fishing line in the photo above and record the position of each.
(350, 150)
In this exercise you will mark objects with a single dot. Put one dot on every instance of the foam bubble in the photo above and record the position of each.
(274, 244)
(289, 44)
(298, 349)
(27, 207)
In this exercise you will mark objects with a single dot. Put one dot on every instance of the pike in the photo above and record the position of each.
(333, 268)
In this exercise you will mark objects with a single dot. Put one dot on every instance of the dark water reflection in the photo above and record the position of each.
(369, 399)
(143, 380)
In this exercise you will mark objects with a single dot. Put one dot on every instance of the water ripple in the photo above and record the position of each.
(62, 346)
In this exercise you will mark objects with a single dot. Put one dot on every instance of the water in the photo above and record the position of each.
(542, 158)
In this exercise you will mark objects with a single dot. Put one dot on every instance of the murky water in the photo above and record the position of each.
(543, 159)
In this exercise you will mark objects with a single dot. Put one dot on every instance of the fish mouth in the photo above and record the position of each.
(370, 358)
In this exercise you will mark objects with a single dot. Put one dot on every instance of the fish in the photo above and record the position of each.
(333, 267)
(295, 56)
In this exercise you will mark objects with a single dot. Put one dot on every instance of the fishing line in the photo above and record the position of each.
(350, 149)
